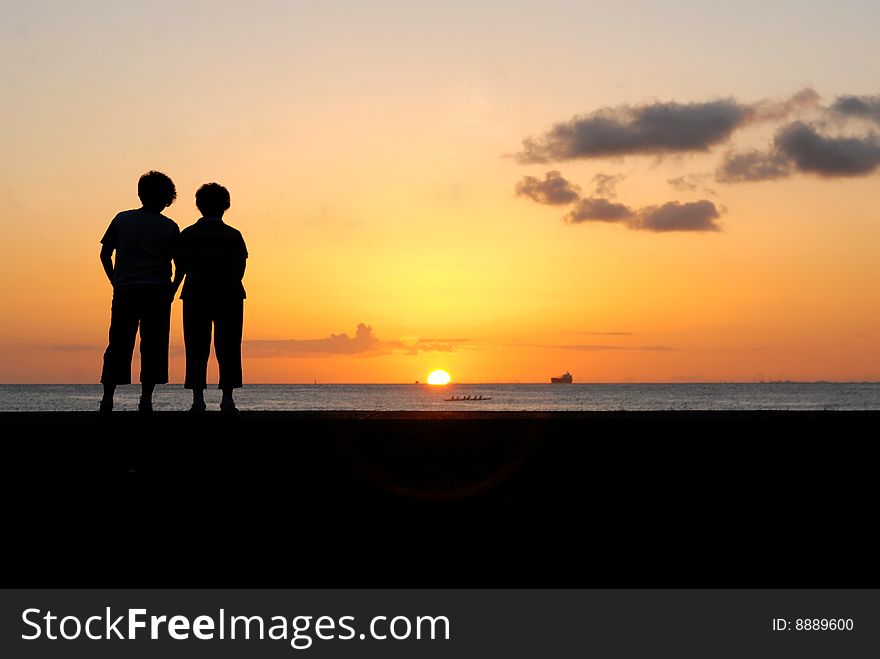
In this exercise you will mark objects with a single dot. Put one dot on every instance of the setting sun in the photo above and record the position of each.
(439, 377)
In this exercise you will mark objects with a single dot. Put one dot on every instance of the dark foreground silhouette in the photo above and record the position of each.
(212, 256)
(144, 242)
(660, 499)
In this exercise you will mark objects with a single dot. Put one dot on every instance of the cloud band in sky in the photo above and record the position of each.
(364, 342)
(599, 209)
(801, 148)
(553, 189)
(699, 215)
(864, 107)
(820, 146)
(657, 128)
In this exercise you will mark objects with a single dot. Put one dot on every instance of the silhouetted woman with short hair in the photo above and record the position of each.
(212, 256)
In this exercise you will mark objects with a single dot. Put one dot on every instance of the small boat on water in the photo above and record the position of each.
(562, 379)
(459, 399)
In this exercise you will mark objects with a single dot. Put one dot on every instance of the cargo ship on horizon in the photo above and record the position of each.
(562, 379)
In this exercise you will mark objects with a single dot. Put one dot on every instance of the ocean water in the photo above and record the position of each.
(536, 397)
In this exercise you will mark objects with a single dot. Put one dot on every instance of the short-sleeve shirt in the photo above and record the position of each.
(145, 244)
(212, 254)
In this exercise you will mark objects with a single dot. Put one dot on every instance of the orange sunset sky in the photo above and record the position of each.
(377, 155)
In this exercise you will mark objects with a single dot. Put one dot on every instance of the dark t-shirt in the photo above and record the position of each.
(212, 255)
(145, 244)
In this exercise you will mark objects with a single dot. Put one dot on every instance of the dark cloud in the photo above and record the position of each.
(863, 107)
(814, 153)
(752, 165)
(605, 185)
(661, 128)
(658, 128)
(553, 190)
(674, 216)
(598, 209)
(364, 342)
(800, 147)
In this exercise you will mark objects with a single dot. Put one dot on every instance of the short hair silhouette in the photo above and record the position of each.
(212, 199)
(155, 189)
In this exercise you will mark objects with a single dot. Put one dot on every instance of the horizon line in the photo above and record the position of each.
(421, 383)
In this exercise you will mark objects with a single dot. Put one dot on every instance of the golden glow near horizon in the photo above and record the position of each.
(369, 154)
(439, 378)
